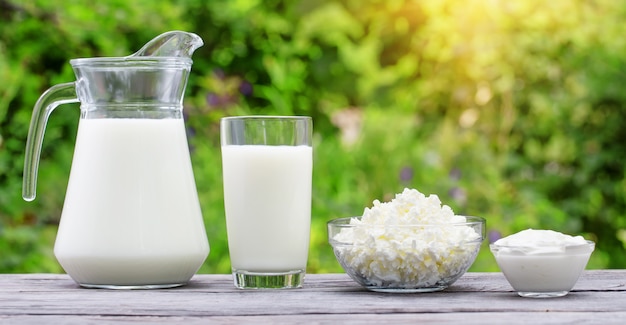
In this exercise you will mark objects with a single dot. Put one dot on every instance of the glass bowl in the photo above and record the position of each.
(405, 258)
(542, 272)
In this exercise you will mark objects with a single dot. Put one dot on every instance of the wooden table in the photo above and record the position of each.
(477, 298)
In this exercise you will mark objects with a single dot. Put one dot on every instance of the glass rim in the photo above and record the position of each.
(267, 117)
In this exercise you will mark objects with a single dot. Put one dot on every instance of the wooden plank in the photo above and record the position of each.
(375, 319)
(325, 297)
(592, 280)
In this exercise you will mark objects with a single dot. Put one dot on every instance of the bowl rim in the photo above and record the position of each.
(345, 223)
(586, 244)
(479, 224)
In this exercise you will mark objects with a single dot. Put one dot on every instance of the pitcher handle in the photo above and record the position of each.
(59, 94)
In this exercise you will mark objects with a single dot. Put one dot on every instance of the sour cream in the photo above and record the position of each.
(542, 263)
(533, 241)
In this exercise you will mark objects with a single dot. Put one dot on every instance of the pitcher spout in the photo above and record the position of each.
(171, 44)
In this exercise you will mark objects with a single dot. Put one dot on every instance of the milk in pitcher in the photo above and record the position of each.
(131, 214)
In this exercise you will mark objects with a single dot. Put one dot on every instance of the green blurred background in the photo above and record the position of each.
(510, 110)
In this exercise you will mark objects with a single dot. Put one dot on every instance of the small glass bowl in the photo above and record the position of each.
(544, 272)
(406, 258)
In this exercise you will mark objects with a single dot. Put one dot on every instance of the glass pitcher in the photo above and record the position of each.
(131, 216)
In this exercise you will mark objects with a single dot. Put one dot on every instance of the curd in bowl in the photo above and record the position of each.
(413, 243)
(406, 258)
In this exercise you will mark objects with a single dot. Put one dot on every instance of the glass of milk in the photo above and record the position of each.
(267, 168)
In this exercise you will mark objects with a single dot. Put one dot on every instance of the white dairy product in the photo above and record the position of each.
(533, 241)
(131, 214)
(267, 197)
(535, 261)
(411, 240)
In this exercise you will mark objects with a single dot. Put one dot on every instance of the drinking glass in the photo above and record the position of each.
(267, 166)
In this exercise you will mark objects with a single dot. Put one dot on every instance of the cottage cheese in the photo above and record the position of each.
(413, 240)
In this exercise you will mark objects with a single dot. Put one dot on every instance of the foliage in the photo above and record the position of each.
(508, 110)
